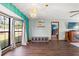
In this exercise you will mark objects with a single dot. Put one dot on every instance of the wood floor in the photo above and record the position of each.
(52, 48)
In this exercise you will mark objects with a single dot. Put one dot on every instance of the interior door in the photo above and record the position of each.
(55, 30)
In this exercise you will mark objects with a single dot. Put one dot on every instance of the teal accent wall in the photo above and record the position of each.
(14, 9)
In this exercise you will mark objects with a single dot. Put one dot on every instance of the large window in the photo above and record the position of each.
(18, 31)
(4, 32)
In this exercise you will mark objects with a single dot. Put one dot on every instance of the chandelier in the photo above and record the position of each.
(33, 12)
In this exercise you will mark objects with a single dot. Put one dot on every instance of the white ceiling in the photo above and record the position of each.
(54, 10)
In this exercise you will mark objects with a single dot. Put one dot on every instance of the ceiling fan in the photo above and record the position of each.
(74, 13)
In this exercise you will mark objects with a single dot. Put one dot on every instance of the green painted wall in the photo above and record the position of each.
(14, 9)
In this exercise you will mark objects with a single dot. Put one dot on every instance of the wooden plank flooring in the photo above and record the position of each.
(52, 48)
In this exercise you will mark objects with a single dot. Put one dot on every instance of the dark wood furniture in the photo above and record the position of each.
(69, 35)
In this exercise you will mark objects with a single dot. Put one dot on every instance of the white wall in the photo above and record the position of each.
(62, 29)
(46, 31)
(40, 32)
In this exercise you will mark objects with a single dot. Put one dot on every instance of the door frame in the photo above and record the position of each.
(58, 29)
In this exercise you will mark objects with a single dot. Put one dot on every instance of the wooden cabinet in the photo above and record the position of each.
(69, 36)
(66, 36)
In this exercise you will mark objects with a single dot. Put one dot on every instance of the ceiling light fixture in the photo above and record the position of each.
(74, 13)
(46, 5)
(33, 12)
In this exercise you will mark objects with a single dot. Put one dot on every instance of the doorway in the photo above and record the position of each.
(55, 30)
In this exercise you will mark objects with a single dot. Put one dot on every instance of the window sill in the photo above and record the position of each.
(6, 50)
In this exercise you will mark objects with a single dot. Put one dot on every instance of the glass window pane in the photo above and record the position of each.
(2, 39)
(1, 23)
(20, 36)
(16, 37)
(4, 32)
(18, 31)
(6, 24)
